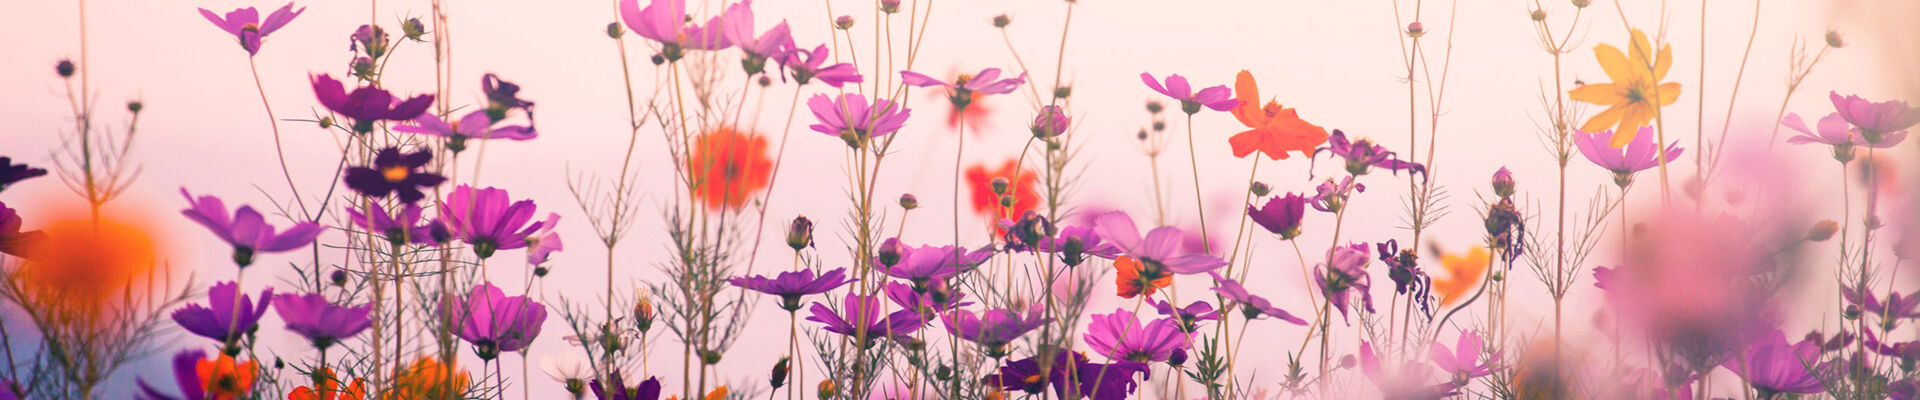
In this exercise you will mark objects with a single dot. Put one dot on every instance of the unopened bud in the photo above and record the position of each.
(135, 106)
(844, 22)
(1001, 21)
(643, 314)
(1822, 230)
(800, 233)
(1503, 182)
(1416, 29)
(891, 251)
(827, 389)
(1260, 189)
(1000, 185)
(908, 201)
(890, 6)
(1538, 15)
(1154, 106)
(779, 373)
(614, 30)
(1062, 92)
(1834, 40)
(65, 68)
(413, 29)
(1582, 3)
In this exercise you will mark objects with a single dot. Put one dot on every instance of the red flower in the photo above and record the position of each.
(987, 203)
(1133, 280)
(728, 167)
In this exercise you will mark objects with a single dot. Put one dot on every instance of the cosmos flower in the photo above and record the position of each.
(247, 231)
(1463, 361)
(12, 240)
(399, 229)
(1638, 155)
(483, 218)
(666, 21)
(1332, 196)
(1403, 267)
(1281, 215)
(1345, 271)
(921, 264)
(11, 173)
(244, 24)
(936, 298)
(1833, 130)
(1075, 242)
(224, 319)
(1881, 122)
(1070, 370)
(319, 320)
(1133, 279)
(806, 66)
(394, 172)
(1190, 316)
(1463, 274)
(367, 104)
(770, 45)
(992, 329)
(503, 96)
(427, 378)
(729, 167)
(495, 323)
(862, 320)
(1218, 98)
(851, 118)
(1408, 382)
(474, 125)
(202, 379)
(329, 389)
(544, 241)
(648, 389)
(791, 285)
(1897, 306)
(570, 369)
(1159, 252)
(1253, 307)
(1021, 186)
(1272, 130)
(966, 90)
(1363, 155)
(1772, 366)
(1051, 121)
(1631, 97)
(1120, 336)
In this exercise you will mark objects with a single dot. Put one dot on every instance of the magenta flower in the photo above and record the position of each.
(1190, 316)
(247, 230)
(12, 240)
(11, 173)
(773, 44)
(1051, 121)
(1281, 215)
(1159, 252)
(993, 329)
(474, 125)
(1877, 121)
(860, 318)
(1408, 382)
(920, 264)
(544, 241)
(319, 320)
(367, 104)
(1089, 380)
(665, 21)
(1332, 197)
(962, 89)
(186, 375)
(1637, 156)
(483, 218)
(1343, 273)
(1463, 362)
(648, 389)
(399, 229)
(791, 285)
(1363, 155)
(495, 323)
(1074, 243)
(806, 66)
(223, 319)
(1253, 307)
(850, 117)
(1119, 336)
(394, 172)
(1218, 98)
(244, 24)
(1896, 308)
(1772, 366)
(936, 298)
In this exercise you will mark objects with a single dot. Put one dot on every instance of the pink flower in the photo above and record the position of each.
(1877, 121)
(1218, 98)
(1463, 362)
(1119, 336)
(665, 21)
(245, 24)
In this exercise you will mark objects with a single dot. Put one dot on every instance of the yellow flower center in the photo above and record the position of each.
(395, 174)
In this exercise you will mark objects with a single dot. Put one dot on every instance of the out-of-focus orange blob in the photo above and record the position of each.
(83, 264)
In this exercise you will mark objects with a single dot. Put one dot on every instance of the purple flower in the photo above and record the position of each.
(1637, 156)
(483, 218)
(502, 96)
(1159, 252)
(1405, 383)
(186, 375)
(1772, 366)
(862, 320)
(1051, 121)
(223, 319)
(1463, 362)
(1403, 268)
(1252, 306)
(992, 329)
(399, 229)
(247, 230)
(1345, 270)
(244, 24)
(495, 323)
(1218, 98)
(393, 172)
(1363, 155)
(11, 173)
(319, 320)
(921, 264)
(806, 66)
(12, 240)
(367, 104)
(1896, 308)
(1095, 381)
(665, 21)
(774, 44)
(1877, 121)
(1119, 336)
(474, 125)
(936, 298)
(791, 285)
(1190, 316)
(1332, 197)
(1074, 243)
(544, 241)
(850, 117)
(648, 390)
(1281, 215)
(962, 89)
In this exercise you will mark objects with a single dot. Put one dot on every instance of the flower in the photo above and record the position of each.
(11, 173)
(1159, 252)
(1638, 155)
(791, 285)
(921, 264)
(570, 369)
(850, 117)
(1189, 316)
(503, 96)
(648, 389)
(247, 230)
(12, 240)
(393, 172)
(223, 318)
(1463, 362)
(1252, 306)
(1403, 268)
(1363, 155)
(427, 378)
(1281, 215)
(1772, 366)
(772, 44)
(992, 329)
(1833, 131)
(1096, 381)
(800, 233)
(1274, 130)
(1345, 270)
(862, 320)
(1408, 382)
(1631, 97)
(328, 388)
(244, 24)
(1022, 189)
(728, 167)
(399, 229)
(484, 219)
(367, 104)
(544, 241)
(939, 297)
(805, 66)
(201, 379)
(1051, 121)
(963, 88)
(319, 320)
(1503, 183)
(1074, 243)
(474, 125)
(1133, 279)
(1878, 122)
(1896, 308)
(1218, 98)
(666, 21)
(1332, 197)
(1463, 273)
(1119, 336)
(496, 323)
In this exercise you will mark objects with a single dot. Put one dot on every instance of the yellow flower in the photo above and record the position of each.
(1463, 272)
(1631, 97)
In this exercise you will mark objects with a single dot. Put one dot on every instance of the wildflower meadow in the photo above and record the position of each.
(928, 199)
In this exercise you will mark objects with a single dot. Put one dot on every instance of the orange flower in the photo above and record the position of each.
(1134, 280)
(79, 267)
(1630, 98)
(985, 202)
(717, 394)
(1463, 272)
(328, 389)
(224, 380)
(729, 167)
(1275, 130)
(428, 379)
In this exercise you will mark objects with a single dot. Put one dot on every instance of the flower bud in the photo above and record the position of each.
(1346, 361)
(1538, 15)
(326, 122)
(1260, 189)
(1001, 21)
(413, 29)
(1154, 106)
(844, 22)
(891, 251)
(709, 356)
(65, 68)
(1834, 40)
(765, 81)
(1000, 185)
(1051, 122)
(540, 271)
(1062, 92)
(1178, 358)
(1582, 3)
(890, 6)
(908, 201)
(1415, 29)
(1006, 200)
(135, 106)
(1503, 182)
(1033, 228)
(779, 373)
(657, 59)
(643, 314)
(800, 233)
(827, 389)
(614, 31)
(363, 67)
(1159, 126)
(1822, 230)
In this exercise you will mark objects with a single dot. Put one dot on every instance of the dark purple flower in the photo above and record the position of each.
(648, 390)
(367, 104)
(1120, 336)
(665, 21)
(399, 229)
(1218, 98)
(223, 318)
(484, 218)
(1189, 316)
(1343, 273)
(12, 240)
(319, 320)
(1074, 243)
(1772, 366)
(1877, 121)
(861, 319)
(244, 24)
(1095, 381)
(1332, 197)
(1408, 382)
(394, 172)
(186, 376)
(11, 173)
(247, 230)
(1463, 362)
(501, 95)
(1404, 269)
(933, 299)
(791, 285)
(1363, 155)
(1159, 252)
(806, 66)
(961, 91)
(921, 264)
(851, 118)
(993, 329)
(1252, 306)
(1281, 215)
(495, 323)
(1638, 155)
(474, 125)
